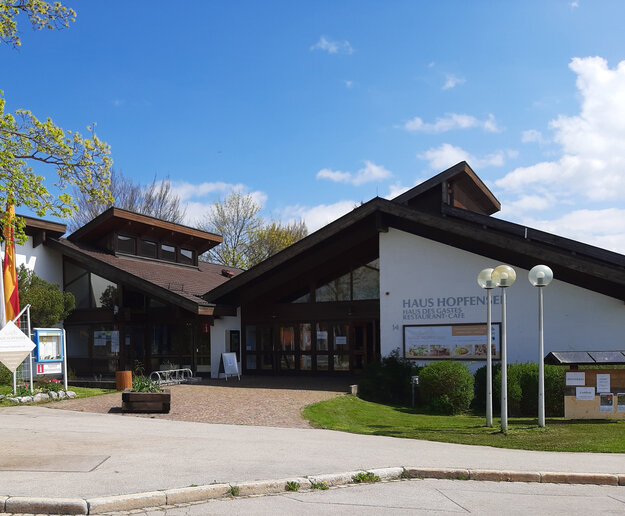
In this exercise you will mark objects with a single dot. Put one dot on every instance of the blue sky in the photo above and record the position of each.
(314, 106)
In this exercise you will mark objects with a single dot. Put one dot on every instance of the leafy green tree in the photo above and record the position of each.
(41, 14)
(271, 238)
(27, 142)
(247, 238)
(48, 305)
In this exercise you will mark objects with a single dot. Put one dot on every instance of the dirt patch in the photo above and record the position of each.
(251, 401)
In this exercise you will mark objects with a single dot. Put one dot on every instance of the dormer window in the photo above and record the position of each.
(168, 252)
(126, 244)
(148, 249)
(186, 256)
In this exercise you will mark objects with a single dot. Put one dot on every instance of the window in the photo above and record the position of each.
(366, 281)
(336, 290)
(186, 256)
(168, 252)
(148, 249)
(126, 244)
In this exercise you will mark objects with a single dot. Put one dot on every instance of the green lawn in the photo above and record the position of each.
(351, 414)
(81, 392)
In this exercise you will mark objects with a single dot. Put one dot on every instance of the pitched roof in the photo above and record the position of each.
(577, 263)
(137, 223)
(177, 284)
(456, 186)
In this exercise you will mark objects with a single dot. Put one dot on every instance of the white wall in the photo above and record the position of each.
(46, 263)
(414, 268)
(218, 339)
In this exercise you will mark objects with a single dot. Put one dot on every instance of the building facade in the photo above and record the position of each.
(391, 275)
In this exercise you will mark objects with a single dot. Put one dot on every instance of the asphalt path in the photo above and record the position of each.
(58, 453)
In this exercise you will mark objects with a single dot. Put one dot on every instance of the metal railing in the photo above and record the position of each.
(173, 376)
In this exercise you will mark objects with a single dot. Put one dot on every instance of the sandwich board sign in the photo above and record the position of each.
(15, 346)
(228, 365)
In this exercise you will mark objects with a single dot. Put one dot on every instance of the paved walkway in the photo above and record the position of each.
(60, 453)
(258, 401)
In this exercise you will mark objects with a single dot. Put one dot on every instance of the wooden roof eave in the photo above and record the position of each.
(604, 278)
(498, 239)
(117, 275)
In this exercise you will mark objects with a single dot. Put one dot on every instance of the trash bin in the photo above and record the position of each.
(123, 380)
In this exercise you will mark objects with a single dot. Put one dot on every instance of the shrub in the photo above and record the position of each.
(523, 389)
(446, 387)
(479, 401)
(388, 381)
(6, 376)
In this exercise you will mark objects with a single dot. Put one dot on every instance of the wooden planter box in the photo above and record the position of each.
(154, 402)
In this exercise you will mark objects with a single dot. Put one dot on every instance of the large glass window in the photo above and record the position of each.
(336, 290)
(366, 281)
(104, 292)
(77, 341)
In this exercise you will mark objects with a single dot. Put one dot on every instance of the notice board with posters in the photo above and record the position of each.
(453, 341)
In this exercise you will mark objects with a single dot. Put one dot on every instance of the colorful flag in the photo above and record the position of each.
(9, 272)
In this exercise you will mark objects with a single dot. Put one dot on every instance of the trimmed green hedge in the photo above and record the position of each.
(446, 387)
(523, 389)
(388, 381)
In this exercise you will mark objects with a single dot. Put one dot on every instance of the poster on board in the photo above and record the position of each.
(457, 341)
(228, 365)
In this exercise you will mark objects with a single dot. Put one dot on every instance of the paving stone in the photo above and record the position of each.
(126, 502)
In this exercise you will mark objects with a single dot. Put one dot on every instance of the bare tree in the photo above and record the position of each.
(247, 238)
(155, 199)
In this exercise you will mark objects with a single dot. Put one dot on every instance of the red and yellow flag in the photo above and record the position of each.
(9, 272)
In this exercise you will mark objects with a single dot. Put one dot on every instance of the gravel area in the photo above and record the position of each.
(260, 401)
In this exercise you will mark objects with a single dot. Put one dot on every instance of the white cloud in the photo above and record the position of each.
(533, 136)
(369, 173)
(198, 199)
(118, 102)
(452, 81)
(348, 84)
(574, 4)
(396, 189)
(316, 217)
(588, 226)
(332, 47)
(592, 161)
(450, 122)
(446, 155)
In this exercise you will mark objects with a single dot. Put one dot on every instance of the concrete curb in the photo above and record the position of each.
(170, 497)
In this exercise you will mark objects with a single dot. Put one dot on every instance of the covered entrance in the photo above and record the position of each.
(311, 347)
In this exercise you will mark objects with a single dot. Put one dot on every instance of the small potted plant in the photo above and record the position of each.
(145, 396)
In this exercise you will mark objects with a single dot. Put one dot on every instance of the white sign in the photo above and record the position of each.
(15, 346)
(585, 393)
(575, 378)
(603, 383)
(52, 368)
(229, 365)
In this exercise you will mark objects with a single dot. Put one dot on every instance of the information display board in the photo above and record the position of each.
(453, 341)
(49, 344)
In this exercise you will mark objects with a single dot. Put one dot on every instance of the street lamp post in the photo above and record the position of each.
(540, 276)
(504, 276)
(484, 280)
